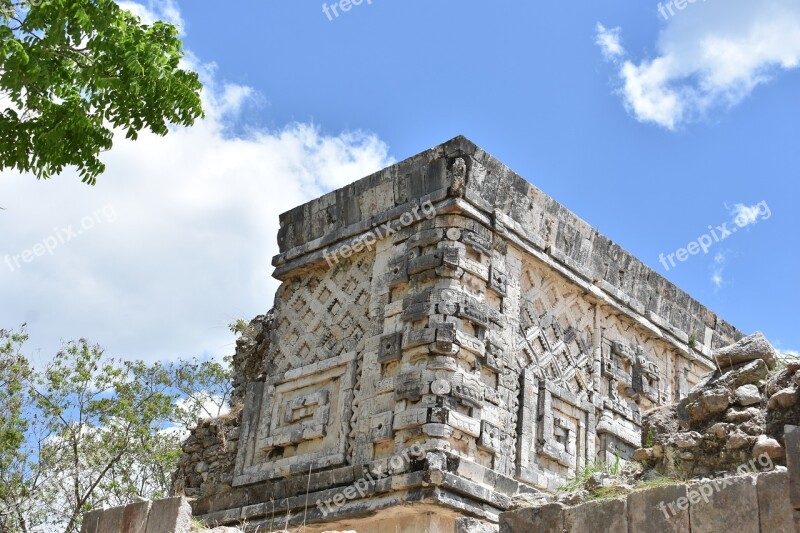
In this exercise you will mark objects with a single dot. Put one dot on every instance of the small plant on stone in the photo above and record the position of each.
(692, 341)
(238, 327)
(197, 525)
(648, 440)
(785, 359)
(584, 473)
(658, 481)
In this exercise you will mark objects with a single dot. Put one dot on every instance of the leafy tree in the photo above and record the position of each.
(92, 431)
(14, 371)
(75, 70)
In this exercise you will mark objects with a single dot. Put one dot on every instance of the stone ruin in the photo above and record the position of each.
(446, 339)
(733, 416)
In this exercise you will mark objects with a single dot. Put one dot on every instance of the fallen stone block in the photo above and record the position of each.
(748, 349)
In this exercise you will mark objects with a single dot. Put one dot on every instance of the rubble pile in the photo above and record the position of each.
(732, 417)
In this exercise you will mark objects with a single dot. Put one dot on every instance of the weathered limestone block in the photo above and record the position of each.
(112, 520)
(543, 518)
(774, 508)
(748, 349)
(171, 515)
(767, 446)
(733, 502)
(738, 504)
(135, 517)
(655, 510)
(608, 516)
(747, 395)
(783, 399)
(792, 438)
(471, 525)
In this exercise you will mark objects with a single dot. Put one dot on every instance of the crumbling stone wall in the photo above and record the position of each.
(209, 455)
(209, 452)
(250, 359)
(732, 416)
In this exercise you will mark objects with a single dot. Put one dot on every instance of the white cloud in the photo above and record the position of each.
(710, 55)
(717, 270)
(745, 215)
(165, 10)
(609, 42)
(183, 230)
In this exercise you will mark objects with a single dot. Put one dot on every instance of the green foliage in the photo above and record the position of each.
(785, 359)
(692, 341)
(582, 474)
(648, 441)
(89, 431)
(659, 481)
(13, 425)
(76, 69)
(238, 327)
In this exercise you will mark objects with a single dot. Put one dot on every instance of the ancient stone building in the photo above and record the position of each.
(445, 338)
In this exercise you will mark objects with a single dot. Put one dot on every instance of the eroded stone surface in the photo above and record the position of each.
(596, 517)
(733, 503)
(774, 507)
(649, 511)
(543, 518)
(748, 349)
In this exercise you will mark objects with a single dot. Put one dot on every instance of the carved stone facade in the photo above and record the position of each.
(467, 317)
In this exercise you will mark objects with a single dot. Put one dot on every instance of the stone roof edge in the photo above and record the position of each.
(659, 296)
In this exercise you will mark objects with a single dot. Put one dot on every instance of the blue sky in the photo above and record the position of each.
(649, 128)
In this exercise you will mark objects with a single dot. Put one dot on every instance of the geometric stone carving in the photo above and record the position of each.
(557, 432)
(494, 438)
(498, 281)
(381, 427)
(467, 389)
(324, 314)
(296, 420)
(637, 375)
(390, 348)
(398, 272)
(408, 386)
